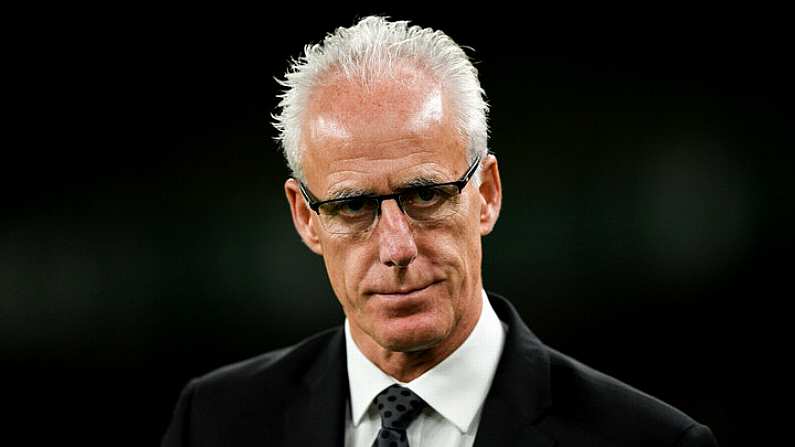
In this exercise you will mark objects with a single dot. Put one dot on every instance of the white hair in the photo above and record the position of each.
(370, 49)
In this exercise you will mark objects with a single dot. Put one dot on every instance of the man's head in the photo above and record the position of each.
(381, 108)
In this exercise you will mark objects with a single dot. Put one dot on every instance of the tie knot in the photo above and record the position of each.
(398, 406)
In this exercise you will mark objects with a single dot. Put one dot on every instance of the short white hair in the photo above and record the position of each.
(369, 49)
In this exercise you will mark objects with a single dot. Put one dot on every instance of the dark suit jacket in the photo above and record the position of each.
(540, 397)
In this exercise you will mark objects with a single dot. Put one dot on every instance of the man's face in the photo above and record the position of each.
(403, 285)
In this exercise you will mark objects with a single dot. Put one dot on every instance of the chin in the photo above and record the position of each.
(411, 336)
(412, 345)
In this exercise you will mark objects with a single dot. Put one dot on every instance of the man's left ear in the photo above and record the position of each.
(490, 190)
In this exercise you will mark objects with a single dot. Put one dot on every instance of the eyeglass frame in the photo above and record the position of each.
(315, 204)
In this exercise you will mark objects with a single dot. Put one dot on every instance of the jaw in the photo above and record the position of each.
(405, 345)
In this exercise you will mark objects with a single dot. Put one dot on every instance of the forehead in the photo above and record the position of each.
(377, 135)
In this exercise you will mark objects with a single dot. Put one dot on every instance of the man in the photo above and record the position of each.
(384, 128)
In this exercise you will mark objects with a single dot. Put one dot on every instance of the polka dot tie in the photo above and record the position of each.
(398, 407)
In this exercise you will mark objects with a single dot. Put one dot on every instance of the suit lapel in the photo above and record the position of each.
(520, 393)
(317, 415)
(517, 401)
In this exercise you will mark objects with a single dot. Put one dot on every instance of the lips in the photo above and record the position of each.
(403, 291)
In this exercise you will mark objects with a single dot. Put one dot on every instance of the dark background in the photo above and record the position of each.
(145, 239)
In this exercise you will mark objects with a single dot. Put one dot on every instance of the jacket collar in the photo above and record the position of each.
(519, 396)
(317, 415)
(520, 393)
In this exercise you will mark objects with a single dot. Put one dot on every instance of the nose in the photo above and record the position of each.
(395, 241)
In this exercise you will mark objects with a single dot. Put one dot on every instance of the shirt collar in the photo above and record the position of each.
(455, 388)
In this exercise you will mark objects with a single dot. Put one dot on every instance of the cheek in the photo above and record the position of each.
(346, 265)
(465, 241)
(454, 245)
(467, 224)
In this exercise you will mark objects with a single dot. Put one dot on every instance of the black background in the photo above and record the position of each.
(645, 158)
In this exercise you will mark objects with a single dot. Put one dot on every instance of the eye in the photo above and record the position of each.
(349, 208)
(352, 206)
(427, 195)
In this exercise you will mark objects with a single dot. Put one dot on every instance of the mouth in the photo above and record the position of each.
(407, 292)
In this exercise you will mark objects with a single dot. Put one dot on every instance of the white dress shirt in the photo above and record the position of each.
(455, 389)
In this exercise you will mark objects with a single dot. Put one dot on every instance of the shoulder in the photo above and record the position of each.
(233, 404)
(273, 373)
(593, 404)
(578, 405)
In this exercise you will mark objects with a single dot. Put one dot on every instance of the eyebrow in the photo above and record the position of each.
(420, 182)
(350, 193)
(347, 193)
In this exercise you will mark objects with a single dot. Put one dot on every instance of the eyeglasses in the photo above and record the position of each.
(425, 203)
